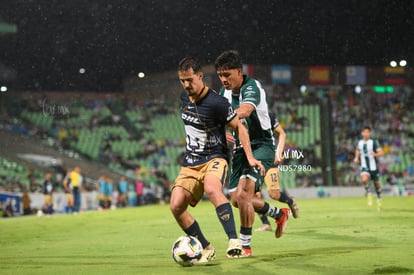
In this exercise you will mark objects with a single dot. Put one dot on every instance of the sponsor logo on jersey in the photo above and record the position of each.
(249, 93)
(190, 118)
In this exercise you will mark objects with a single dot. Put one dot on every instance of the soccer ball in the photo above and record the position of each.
(186, 250)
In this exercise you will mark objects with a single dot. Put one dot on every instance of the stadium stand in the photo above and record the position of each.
(124, 136)
(17, 177)
(125, 132)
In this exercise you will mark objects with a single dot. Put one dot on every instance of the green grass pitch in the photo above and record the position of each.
(332, 236)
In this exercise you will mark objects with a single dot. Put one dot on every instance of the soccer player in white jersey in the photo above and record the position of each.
(248, 99)
(366, 154)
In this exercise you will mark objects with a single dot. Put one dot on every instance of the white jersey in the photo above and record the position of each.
(258, 123)
(366, 149)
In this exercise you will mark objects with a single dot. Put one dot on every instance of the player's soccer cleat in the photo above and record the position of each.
(235, 249)
(264, 227)
(369, 199)
(281, 223)
(247, 252)
(294, 208)
(208, 254)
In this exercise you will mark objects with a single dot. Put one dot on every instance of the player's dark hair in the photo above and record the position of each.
(367, 128)
(228, 60)
(189, 63)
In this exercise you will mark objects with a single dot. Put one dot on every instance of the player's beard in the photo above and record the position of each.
(191, 92)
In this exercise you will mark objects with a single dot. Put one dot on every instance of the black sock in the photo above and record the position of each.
(285, 198)
(195, 231)
(264, 210)
(264, 219)
(225, 215)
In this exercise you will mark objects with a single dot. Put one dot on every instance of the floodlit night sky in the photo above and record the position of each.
(93, 45)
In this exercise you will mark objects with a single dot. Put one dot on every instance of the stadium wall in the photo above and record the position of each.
(358, 191)
(89, 200)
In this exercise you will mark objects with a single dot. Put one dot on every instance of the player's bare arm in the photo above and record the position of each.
(242, 112)
(245, 110)
(281, 144)
(236, 124)
(229, 137)
(378, 153)
(356, 159)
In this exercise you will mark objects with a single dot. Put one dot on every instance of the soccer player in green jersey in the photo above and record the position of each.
(272, 179)
(366, 154)
(248, 98)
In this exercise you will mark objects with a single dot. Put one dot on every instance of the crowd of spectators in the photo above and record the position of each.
(148, 187)
(390, 117)
(388, 114)
(283, 102)
(90, 114)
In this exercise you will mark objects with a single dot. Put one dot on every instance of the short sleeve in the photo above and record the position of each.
(250, 94)
(376, 145)
(225, 113)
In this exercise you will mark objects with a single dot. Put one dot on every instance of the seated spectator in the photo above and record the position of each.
(8, 209)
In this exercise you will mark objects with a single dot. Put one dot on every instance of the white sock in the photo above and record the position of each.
(273, 211)
(245, 239)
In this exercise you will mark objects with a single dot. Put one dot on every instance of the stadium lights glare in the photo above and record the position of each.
(303, 89)
(393, 63)
(3, 89)
(358, 89)
(403, 63)
(82, 70)
(141, 75)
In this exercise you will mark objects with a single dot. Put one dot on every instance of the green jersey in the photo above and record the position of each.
(258, 123)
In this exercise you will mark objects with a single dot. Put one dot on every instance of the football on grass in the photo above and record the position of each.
(186, 250)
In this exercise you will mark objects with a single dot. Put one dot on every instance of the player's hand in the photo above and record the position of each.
(258, 165)
(278, 158)
(356, 160)
(230, 138)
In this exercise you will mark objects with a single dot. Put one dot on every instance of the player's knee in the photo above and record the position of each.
(233, 200)
(243, 197)
(178, 202)
(211, 192)
(177, 208)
